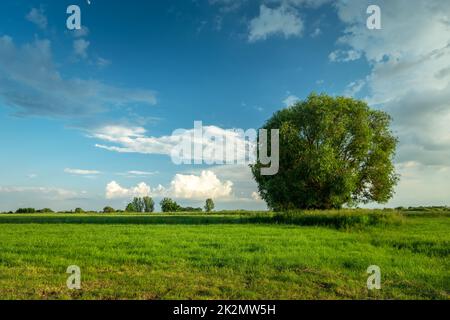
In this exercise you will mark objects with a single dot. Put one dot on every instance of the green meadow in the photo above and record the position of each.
(304, 255)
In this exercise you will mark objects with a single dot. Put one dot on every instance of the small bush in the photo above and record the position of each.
(108, 210)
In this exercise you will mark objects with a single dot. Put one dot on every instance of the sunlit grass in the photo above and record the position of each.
(224, 256)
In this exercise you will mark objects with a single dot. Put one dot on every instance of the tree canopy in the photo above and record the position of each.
(209, 205)
(169, 205)
(149, 204)
(145, 204)
(333, 151)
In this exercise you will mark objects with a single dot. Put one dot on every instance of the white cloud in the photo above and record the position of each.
(44, 91)
(290, 100)
(141, 173)
(344, 55)
(243, 185)
(205, 185)
(354, 87)
(255, 196)
(37, 16)
(115, 191)
(80, 47)
(283, 20)
(81, 172)
(134, 140)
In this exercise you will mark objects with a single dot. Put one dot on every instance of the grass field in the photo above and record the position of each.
(225, 256)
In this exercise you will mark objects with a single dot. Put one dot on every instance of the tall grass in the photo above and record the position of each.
(340, 219)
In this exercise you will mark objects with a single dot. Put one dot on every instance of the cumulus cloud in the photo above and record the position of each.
(244, 186)
(31, 83)
(37, 16)
(205, 185)
(283, 20)
(115, 191)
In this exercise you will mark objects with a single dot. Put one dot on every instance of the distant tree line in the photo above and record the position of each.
(146, 204)
(48, 210)
(222, 212)
(32, 210)
(137, 205)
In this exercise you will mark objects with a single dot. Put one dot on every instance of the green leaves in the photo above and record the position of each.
(333, 151)
(209, 205)
(145, 204)
(168, 205)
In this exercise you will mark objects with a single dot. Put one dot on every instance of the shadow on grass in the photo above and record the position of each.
(339, 220)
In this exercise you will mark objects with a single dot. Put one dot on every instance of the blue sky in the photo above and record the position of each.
(69, 101)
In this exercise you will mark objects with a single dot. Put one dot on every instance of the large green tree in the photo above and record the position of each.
(333, 151)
